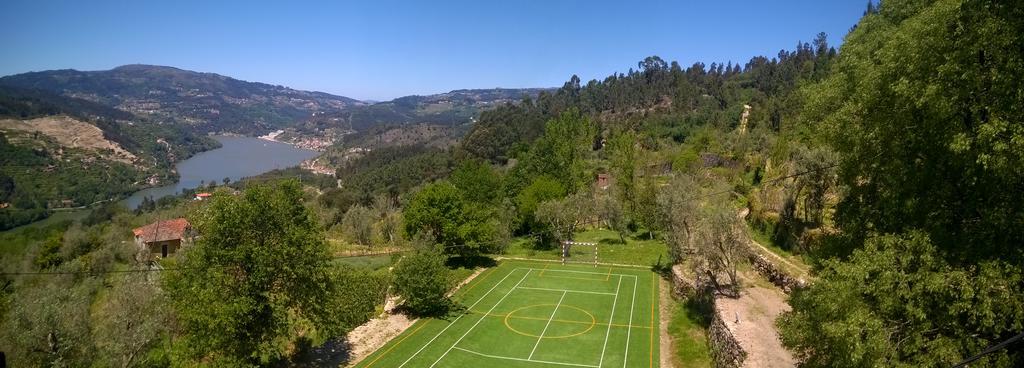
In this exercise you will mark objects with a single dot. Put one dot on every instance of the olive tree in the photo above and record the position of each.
(132, 322)
(721, 244)
(357, 224)
(567, 214)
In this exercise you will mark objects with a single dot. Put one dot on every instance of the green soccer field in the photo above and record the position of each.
(537, 314)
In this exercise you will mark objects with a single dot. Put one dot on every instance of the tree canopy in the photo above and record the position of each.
(258, 273)
(923, 106)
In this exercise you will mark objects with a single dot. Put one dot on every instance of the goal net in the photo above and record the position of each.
(579, 252)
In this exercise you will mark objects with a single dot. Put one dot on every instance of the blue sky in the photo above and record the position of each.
(385, 49)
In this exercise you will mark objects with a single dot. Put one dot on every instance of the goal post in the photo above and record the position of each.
(579, 252)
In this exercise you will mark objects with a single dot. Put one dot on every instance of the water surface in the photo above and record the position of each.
(239, 157)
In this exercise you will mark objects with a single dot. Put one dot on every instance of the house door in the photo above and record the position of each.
(163, 250)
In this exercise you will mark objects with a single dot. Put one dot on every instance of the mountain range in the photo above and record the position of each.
(103, 134)
(213, 103)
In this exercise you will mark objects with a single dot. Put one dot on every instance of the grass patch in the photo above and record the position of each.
(766, 240)
(642, 252)
(536, 314)
(689, 338)
(370, 262)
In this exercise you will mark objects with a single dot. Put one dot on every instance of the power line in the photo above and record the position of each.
(990, 350)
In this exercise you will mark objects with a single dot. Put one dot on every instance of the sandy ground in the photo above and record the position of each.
(665, 304)
(372, 335)
(757, 308)
(71, 133)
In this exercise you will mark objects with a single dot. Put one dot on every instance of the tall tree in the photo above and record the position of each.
(357, 224)
(259, 271)
(624, 155)
(478, 182)
(439, 212)
(924, 107)
(566, 215)
(560, 152)
(421, 279)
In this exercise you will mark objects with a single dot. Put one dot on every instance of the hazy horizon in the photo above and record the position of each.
(380, 51)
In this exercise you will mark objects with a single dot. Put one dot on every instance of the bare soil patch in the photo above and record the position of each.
(72, 133)
(372, 335)
(751, 319)
(665, 304)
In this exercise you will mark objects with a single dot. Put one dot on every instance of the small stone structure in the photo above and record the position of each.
(163, 238)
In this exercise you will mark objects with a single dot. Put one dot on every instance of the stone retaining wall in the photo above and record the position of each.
(724, 347)
(776, 275)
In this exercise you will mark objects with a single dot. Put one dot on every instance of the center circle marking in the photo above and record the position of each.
(590, 325)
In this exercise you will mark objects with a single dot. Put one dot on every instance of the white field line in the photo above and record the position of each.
(525, 360)
(565, 290)
(629, 329)
(460, 317)
(584, 272)
(545, 330)
(502, 258)
(481, 318)
(609, 331)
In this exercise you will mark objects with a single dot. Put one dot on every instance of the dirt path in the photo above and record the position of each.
(665, 304)
(743, 118)
(751, 319)
(803, 270)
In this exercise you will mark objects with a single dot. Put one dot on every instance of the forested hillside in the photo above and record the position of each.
(883, 172)
(924, 109)
(889, 165)
(202, 102)
(454, 108)
(67, 152)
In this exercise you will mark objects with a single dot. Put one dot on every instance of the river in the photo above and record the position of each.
(239, 157)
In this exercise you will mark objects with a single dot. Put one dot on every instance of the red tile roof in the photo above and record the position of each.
(203, 195)
(162, 230)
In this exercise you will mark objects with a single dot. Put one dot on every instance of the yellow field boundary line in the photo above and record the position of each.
(554, 320)
(573, 278)
(478, 282)
(399, 342)
(617, 265)
(465, 292)
(654, 292)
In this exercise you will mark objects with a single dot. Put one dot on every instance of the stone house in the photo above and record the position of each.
(163, 238)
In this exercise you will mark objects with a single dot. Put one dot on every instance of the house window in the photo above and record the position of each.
(163, 250)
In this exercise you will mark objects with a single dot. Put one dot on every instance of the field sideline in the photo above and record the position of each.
(537, 314)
